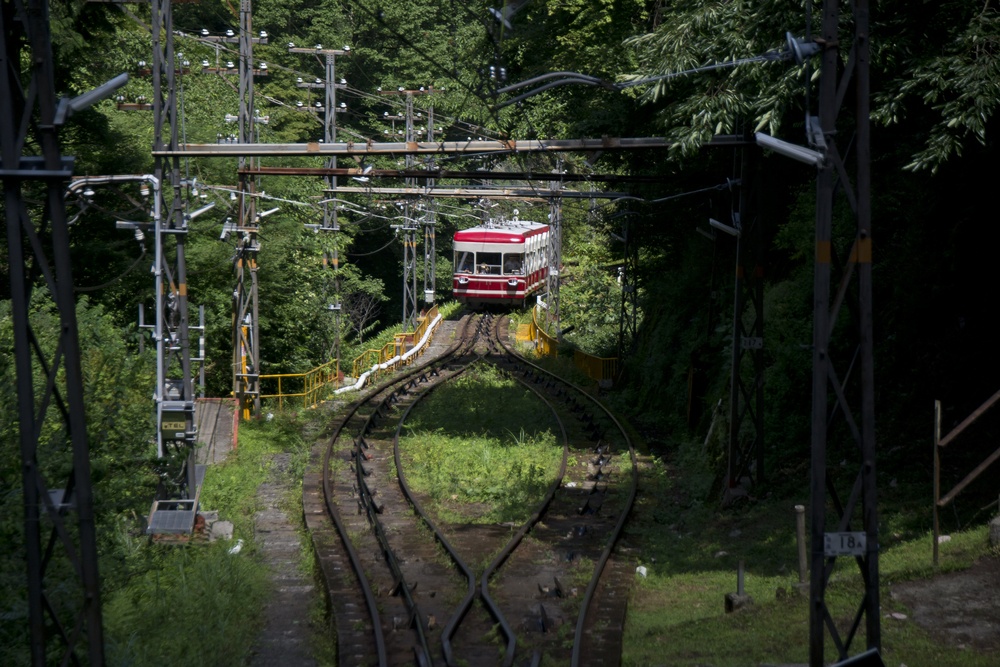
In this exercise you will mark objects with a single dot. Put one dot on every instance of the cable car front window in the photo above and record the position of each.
(488, 263)
(513, 263)
(465, 261)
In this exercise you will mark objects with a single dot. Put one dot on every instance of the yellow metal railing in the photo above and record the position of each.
(596, 368)
(310, 387)
(313, 386)
(372, 360)
(545, 345)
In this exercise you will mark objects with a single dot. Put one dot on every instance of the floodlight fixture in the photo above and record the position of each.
(723, 227)
(800, 153)
(194, 214)
(814, 133)
(800, 49)
(67, 107)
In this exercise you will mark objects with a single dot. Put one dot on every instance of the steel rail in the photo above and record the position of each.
(630, 501)
(438, 535)
(463, 608)
(334, 514)
(352, 553)
(422, 652)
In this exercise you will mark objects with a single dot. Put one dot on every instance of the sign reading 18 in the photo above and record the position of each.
(844, 544)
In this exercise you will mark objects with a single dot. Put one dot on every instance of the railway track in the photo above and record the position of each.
(406, 591)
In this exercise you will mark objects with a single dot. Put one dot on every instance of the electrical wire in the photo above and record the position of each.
(94, 288)
(374, 252)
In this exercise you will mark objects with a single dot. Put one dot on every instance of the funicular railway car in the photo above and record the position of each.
(502, 264)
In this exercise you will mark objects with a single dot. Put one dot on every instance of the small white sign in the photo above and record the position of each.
(844, 544)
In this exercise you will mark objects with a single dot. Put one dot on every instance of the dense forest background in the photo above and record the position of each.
(935, 91)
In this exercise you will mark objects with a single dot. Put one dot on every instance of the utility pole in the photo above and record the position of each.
(63, 586)
(554, 253)
(330, 222)
(429, 219)
(246, 316)
(409, 229)
(175, 386)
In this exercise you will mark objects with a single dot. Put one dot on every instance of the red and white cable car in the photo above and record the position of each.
(502, 264)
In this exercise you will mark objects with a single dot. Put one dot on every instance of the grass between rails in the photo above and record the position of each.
(482, 448)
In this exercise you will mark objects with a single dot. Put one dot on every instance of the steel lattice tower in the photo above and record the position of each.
(58, 503)
(409, 229)
(843, 370)
(554, 256)
(175, 385)
(246, 315)
(746, 389)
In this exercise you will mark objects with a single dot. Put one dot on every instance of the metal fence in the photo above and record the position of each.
(304, 389)
(602, 369)
(316, 385)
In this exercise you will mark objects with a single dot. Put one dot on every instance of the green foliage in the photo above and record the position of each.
(936, 70)
(231, 487)
(691, 553)
(117, 383)
(199, 605)
(590, 296)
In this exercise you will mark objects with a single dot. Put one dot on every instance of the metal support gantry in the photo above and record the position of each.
(843, 424)
(246, 324)
(555, 258)
(246, 307)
